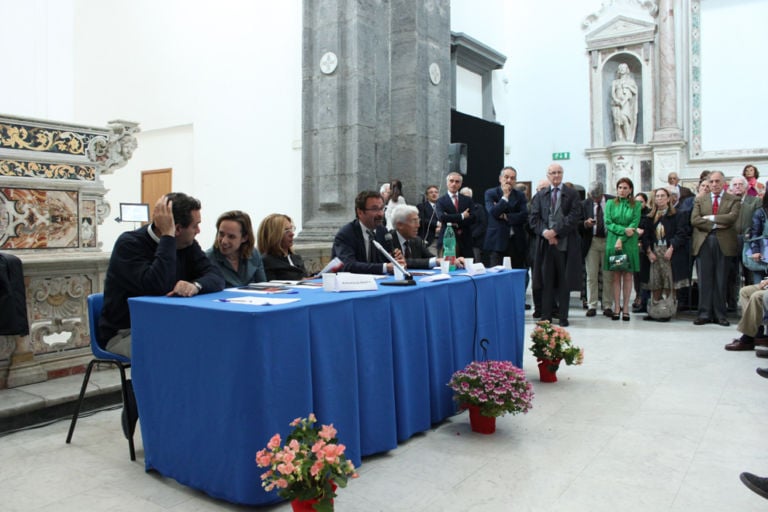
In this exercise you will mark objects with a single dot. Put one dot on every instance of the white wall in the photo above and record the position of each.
(541, 96)
(37, 77)
(216, 87)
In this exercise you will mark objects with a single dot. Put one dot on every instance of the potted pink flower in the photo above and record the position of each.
(552, 344)
(490, 389)
(308, 468)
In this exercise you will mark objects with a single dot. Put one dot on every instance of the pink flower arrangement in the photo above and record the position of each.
(553, 343)
(496, 387)
(309, 466)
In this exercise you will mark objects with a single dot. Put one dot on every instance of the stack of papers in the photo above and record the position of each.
(258, 301)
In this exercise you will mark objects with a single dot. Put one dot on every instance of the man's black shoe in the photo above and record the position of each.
(763, 372)
(755, 483)
(591, 312)
(536, 313)
(701, 321)
(527, 306)
(564, 322)
(608, 312)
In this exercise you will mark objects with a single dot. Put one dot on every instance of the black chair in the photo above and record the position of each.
(95, 303)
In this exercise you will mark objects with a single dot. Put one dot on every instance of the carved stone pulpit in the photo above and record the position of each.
(51, 207)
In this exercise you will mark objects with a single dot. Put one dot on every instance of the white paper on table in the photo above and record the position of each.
(435, 277)
(258, 301)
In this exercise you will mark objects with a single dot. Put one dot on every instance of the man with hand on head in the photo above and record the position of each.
(162, 258)
(353, 243)
(405, 239)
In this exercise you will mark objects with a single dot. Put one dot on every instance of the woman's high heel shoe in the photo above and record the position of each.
(616, 315)
(625, 317)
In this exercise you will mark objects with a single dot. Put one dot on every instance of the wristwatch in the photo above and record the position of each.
(198, 286)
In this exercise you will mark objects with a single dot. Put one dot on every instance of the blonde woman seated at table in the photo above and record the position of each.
(275, 237)
(232, 251)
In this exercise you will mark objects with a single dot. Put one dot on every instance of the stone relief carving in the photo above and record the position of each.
(622, 168)
(624, 105)
(113, 152)
(650, 6)
(57, 307)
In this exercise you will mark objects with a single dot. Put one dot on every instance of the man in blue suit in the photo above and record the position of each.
(507, 216)
(353, 242)
(456, 209)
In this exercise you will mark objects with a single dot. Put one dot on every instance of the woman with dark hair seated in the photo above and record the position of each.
(275, 237)
(233, 252)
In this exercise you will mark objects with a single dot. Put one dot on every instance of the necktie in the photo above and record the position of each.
(554, 198)
(715, 204)
(406, 249)
(371, 247)
(456, 201)
(600, 231)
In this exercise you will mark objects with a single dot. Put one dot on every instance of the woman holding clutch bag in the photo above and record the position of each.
(622, 217)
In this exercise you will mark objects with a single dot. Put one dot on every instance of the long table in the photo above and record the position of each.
(215, 380)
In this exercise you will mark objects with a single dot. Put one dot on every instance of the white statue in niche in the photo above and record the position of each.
(624, 105)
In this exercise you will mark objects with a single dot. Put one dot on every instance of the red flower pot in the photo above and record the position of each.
(479, 423)
(304, 505)
(308, 505)
(548, 369)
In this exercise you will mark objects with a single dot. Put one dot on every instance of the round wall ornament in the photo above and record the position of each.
(434, 73)
(328, 63)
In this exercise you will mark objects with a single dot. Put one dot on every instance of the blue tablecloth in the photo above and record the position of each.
(215, 380)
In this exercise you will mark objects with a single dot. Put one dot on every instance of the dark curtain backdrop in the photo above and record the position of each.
(485, 151)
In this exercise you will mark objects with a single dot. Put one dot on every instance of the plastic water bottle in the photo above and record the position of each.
(449, 247)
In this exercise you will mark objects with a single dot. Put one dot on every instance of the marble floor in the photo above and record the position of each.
(659, 418)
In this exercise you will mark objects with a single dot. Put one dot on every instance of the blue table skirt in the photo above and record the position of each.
(214, 380)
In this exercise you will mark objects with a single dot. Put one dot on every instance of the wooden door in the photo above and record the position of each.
(155, 184)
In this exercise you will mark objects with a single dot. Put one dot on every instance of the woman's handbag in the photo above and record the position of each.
(618, 262)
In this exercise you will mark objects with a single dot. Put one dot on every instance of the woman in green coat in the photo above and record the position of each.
(622, 217)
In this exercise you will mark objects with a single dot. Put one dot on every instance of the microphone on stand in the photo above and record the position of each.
(408, 281)
(389, 244)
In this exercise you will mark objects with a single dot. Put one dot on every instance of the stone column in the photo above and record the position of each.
(668, 128)
(372, 111)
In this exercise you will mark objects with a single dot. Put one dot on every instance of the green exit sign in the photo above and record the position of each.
(561, 156)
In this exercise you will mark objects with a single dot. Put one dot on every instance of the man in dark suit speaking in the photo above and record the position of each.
(353, 243)
(405, 238)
